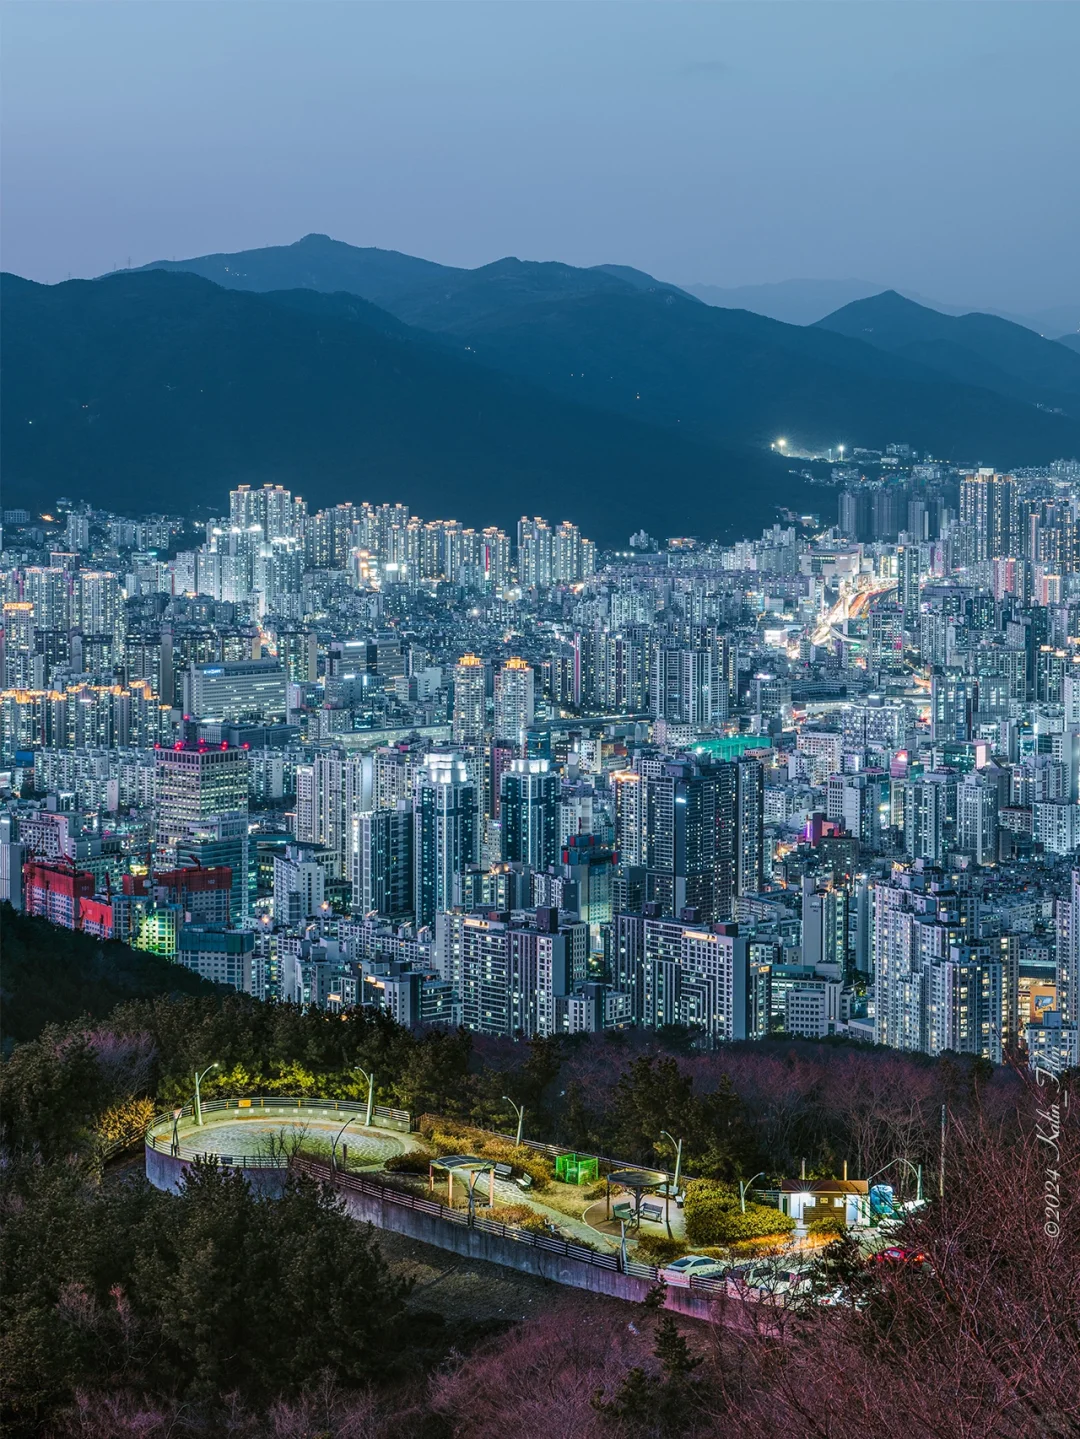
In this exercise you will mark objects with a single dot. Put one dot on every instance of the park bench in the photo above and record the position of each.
(623, 1209)
(524, 1181)
(653, 1211)
(504, 1171)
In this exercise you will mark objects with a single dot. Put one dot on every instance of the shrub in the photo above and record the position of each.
(713, 1216)
(527, 1160)
(658, 1249)
(413, 1161)
(124, 1123)
(827, 1224)
(518, 1215)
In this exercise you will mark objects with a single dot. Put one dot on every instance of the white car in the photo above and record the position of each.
(697, 1266)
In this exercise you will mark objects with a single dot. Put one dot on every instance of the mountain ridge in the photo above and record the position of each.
(146, 385)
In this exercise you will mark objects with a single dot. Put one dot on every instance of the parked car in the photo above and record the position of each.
(697, 1266)
(898, 1255)
(768, 1278)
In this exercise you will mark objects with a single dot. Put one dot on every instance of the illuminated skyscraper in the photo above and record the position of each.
(446, 834)
(514, 703)
(469, 700)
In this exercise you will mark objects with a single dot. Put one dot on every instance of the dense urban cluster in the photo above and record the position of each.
(824, 782)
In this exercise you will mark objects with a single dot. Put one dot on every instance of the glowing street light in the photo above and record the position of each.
(370, 1093)
(198, 1099)
(520, 1112)
(677, 1146)
(744, 1188)
(333, 1148)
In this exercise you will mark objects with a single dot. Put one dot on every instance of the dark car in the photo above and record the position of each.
(898, 1255)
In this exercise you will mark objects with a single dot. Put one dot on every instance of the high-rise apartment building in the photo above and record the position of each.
(514, 703)
(529, 812)
(446, 833)
(470, 703)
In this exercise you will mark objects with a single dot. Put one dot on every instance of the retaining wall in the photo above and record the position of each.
(167, 1171)
(385, 1211)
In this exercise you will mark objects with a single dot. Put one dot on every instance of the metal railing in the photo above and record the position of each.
(549, 1151)
(159, 1131)
(315, 1169)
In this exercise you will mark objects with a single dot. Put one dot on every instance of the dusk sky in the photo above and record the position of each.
(934, 147)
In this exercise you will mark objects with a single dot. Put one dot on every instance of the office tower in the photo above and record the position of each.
(954, 701)
(195, 783)
(222, 841)
(236, 690)
(470, 704)
(446, 833)
(18, 617)
(514, 703)
(202, 813)
(529, 812)
(382, 862)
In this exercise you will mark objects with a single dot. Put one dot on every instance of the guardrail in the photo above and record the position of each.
(158, 1134)
(550, 1151)
(566, 1247)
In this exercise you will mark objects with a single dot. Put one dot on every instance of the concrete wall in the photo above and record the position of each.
(164, 1171)
(478, 1244)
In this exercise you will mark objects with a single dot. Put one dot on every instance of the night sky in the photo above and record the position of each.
(934, 147)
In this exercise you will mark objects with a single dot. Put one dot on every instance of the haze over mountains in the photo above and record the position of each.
(602, 395)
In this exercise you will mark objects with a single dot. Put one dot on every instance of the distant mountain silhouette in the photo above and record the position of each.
(1072, 341)
(730, 377)
(161, 391)
(973, 349)
(315, 263)
(402, 282)
(599, 394)
(795, 302)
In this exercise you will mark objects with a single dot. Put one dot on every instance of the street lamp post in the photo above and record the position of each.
(519, 1110)
(370, 1092)
(744, 1187)
(198, 1098)
(333, 1148)
(677, 1145)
